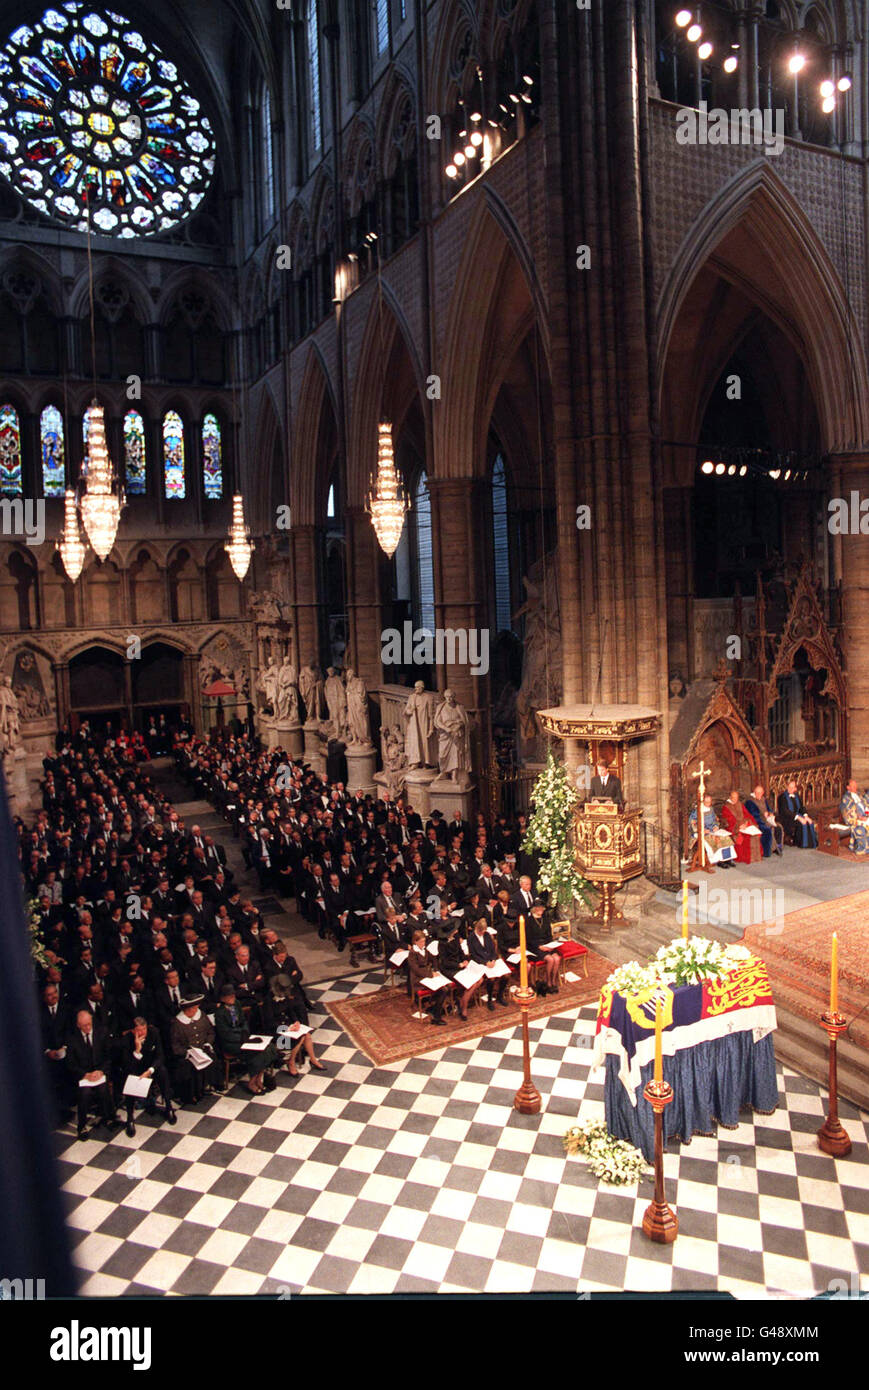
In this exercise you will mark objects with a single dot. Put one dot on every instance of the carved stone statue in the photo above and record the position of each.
(394, 760)
(454, 743)
(286, 704)
(266, 607)
(417, 715)
(358, 723)
(268, 683)
(541, 665)
(310, 689)
(10, 728)
(336, 701)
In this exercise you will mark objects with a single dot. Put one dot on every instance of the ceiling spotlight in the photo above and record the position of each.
(463, 135)
(475, 116)
(731, 64)
(775, 474)
(720, 469)
(796, 63)
(787, 474)
(529, 81)
(844, 84)
(458, 158)
(828, 105)
(683, 18)
(526, 98)
(827, 88)
(470, 151)
(731, 470)
(707, 467)
(695, 33)
(704, 51)
(451, 171)
(514, 97)
(743, 470)
(476, 138)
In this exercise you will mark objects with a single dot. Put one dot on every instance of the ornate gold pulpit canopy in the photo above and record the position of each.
(606, 837)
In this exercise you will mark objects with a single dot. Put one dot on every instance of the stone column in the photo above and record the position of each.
(305, 596)
(852, 472)
(363, 589)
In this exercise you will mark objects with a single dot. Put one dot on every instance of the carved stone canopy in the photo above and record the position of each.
(615, 723)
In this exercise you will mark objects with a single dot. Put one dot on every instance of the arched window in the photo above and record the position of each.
(212, 459)
(10, 452)
(53, 452)
(314, 75)
(135, 468)
(424, 558)
(381, 24)
(501, 548)
(174, 478)
(330, 503)
(268, 167)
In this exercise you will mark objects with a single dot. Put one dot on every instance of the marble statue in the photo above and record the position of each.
(454, 743)
(394, 760)
(417, 715)
(310, 689)
(336, 701)
(358, 723)
(268, 683)
(10, 727)
(286, 704)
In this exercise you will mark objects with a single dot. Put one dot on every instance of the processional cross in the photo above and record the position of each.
(702, 772)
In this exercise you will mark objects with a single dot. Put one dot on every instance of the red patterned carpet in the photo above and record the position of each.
(381, 1024)
(798, 958)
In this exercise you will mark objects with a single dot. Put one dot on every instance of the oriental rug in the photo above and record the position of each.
(381, 1023)
(796, 951)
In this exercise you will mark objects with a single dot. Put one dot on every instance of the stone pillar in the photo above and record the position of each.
(305, 596)
(190, 689)
(363, 590)
(852, 472)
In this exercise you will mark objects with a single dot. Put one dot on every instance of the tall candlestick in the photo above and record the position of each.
(685, 909)
(834, 976)
(659, 1057)
(523, 958)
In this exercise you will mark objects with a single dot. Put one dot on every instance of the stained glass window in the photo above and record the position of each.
(53, 452)
(91, 111)
(212, 460)
(501, 547)
(174, 481)
(10, 451)
(424, 555)
(134, 454)
(382, 24)
(268, 156)
(314, 74)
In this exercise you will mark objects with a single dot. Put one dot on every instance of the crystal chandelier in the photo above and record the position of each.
(239, 546)
(71, 546)
(387, 502)
(101, 502)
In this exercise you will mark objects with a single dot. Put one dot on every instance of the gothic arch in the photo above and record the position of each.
(316, 393)
(791, 277)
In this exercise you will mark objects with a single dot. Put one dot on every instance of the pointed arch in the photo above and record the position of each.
(791, 277)
(316, 392)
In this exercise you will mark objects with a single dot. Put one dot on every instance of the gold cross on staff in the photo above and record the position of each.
(702, 772)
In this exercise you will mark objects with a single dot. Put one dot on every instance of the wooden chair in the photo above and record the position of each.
(361, 942)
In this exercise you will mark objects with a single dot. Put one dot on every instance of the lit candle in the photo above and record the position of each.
(685, 909)
(659, 1058)
(834, 976)
(523, 959)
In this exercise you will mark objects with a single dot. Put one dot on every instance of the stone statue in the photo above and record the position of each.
(286, 704)
(417, 715)
(358, 724)
(454, 744)
(336, 701)
(10, 727)
(207, 671)
(541, 665)
(394, 760)
(268, 683)
(266, 607)
(310, 689)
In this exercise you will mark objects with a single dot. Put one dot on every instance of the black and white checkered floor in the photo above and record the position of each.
(420, 1177)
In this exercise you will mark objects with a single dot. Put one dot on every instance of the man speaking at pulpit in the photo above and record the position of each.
(605, 786)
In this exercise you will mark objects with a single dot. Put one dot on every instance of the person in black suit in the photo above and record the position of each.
(798, 825)
(54, 1022)
(539, 933)
(88, 1060)
(483, 950)
(232, 1032)
(142, 1055)
(451, 959)
(132, 1002)
(605, 786)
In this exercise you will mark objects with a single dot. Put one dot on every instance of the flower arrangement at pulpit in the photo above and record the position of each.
(550, 835)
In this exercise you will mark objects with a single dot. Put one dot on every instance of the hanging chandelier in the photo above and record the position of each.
(71, 546)
(102, 500)
(387, 502)
(239, 546)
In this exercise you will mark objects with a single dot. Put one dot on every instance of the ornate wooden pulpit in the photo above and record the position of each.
(606, 836)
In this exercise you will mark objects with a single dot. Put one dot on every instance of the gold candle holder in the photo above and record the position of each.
(832, 1138)
(527, 1099)
(660, 1222)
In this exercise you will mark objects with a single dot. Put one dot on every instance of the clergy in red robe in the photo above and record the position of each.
(746, 836)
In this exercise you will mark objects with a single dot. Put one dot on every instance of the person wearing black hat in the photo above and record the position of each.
(232, 1031)
(286, 1011)
(193, 1029)
(538, 927)
(451, 959)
